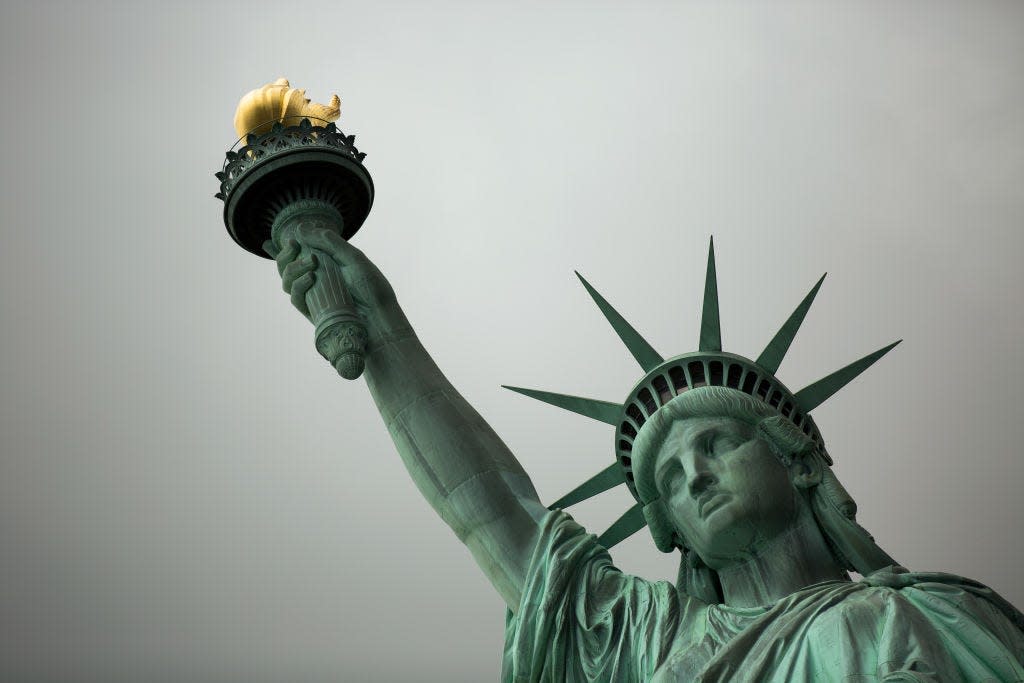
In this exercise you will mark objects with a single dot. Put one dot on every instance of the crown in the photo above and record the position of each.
(708, 366)
(302, 161)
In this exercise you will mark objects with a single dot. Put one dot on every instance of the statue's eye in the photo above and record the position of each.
(710, 445)
(669, 478)
(719, 444)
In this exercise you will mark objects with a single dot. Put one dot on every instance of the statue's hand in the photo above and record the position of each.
(371, 292)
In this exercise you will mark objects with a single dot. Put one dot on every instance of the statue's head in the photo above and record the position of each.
(720, 455)
(720, 474)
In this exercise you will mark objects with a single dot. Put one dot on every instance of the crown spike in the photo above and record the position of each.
(812, 396)
(608, 478)
(603, 411)
(626, 525)
(644, 353)
(772, 356)
(710, 327)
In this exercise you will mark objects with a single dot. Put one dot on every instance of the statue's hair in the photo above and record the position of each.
(833, 508)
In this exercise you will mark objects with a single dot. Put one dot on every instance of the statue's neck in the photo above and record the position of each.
(797, 558)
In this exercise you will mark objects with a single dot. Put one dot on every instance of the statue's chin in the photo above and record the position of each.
(732, 538)
(727, 537)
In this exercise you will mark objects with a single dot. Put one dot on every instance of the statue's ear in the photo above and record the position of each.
(805, 470)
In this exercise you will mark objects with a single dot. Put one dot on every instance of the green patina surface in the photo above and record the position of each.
(726, 464)
(735, 479)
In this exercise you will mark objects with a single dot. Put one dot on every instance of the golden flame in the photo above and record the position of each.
(279, 102)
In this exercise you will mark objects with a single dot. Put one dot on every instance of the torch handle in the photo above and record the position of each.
(340, 334)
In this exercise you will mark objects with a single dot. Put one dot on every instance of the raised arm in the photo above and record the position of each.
(463, 469)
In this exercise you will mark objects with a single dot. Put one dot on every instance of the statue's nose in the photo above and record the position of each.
(701, 482)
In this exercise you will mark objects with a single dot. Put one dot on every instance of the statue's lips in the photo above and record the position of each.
(711, 502)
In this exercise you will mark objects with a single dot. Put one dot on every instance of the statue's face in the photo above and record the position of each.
(724, 490)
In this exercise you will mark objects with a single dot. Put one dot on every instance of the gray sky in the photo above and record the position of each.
(187, 490)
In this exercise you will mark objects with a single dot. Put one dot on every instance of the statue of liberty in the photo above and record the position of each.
(726, 464)
(727, 468)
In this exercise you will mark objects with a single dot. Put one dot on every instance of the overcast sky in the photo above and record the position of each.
(188, 492)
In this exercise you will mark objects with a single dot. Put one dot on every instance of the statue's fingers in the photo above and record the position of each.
(335, 245)
(296, 269)
(271, 249)
(302, 285)
(287, 254)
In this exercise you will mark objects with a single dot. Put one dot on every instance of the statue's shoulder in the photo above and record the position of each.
(888, 623)
(945, 593)
(898, 621)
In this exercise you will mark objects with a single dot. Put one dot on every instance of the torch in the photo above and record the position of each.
(295, 171)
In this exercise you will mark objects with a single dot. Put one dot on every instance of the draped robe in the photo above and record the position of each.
(581, 619)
